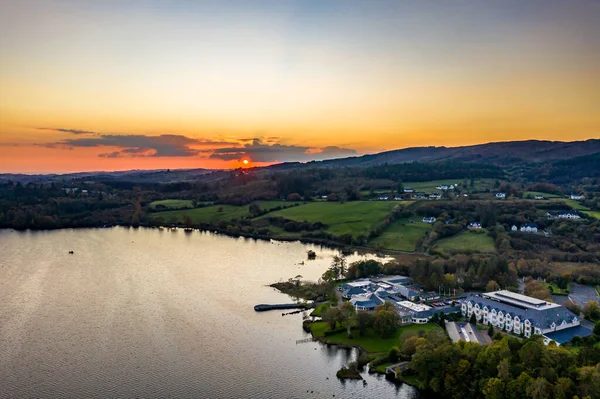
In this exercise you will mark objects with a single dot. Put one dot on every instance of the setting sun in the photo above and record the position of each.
(245, 162)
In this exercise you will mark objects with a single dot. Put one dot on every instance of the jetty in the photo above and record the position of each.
(264, 307)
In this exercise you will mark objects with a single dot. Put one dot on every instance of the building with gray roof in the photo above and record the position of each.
(521, 314)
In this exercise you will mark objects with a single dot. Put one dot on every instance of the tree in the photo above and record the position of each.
(393, 354)
(385, 320)
(539, 389)
(591, 310)
(473, 319)
(347, 315)
(311, 254)
(492, 285)
(412, 344)
(254, 209)
(491, 330)
(187, 221)
(363, 321)
(332, 316)
(597, 328)
(494, 389)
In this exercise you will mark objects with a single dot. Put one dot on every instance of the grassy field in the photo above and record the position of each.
(172, 203)
(557, 290)
(468, 241)
(352, 218)
(216, 213)
(578, 207)
(400, 235)
(427, 186)
(534, 193)
(207, 214)
(371, 342)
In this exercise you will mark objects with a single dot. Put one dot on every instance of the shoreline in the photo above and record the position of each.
(303, 240)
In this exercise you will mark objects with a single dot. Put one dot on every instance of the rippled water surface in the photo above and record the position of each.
(155, 313)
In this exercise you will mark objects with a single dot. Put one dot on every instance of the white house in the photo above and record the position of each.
(514, 228)
(500, 195)
(474, 226)
(442, 187)
(408, 190)
(396, 198)
(529, 228)
(383, 198)
(429, 220)
(577, 197)
(564, 215)
(539, 197)
(435, 196)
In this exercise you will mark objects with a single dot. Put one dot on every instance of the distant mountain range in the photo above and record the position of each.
(510, 153)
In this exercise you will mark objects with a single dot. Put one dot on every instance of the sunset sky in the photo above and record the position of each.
(114, 85)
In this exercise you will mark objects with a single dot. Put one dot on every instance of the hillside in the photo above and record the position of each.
(511, 153)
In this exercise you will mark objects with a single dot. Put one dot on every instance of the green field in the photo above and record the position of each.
(207, 214)
(371, 342)
(216, 213)
(468, 241)
(353, 218)
(400, 235)
(578, 207)
(427, 186)
(172, 204)
(557, 290)
(534, 193)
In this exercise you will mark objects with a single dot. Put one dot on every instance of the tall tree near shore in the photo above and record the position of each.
(347, 311)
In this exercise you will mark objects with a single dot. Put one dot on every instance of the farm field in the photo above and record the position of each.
(427, 186)
(468, 241)
(353, 218)
(578, 207)
(400, 235)
(208, 214)
(172, 204)
(534, 193)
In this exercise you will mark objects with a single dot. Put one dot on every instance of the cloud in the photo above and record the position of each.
(263, 149)
(259, 151)
(72, 131)
(132, 145)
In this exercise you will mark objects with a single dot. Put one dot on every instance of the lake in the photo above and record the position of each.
(159, 313)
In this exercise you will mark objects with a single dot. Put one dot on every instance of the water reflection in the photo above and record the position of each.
(138, 312)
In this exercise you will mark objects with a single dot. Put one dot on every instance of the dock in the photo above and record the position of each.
(264, 307)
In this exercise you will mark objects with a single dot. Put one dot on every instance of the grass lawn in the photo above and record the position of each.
(319, 310)
(371, 342)
(208, 214)
(468, 241)
(352, 218)
(427, 186)
(578, 207)
(557, 290)
(400, 235)
(274, 204)
(534, 193)
(172, 203)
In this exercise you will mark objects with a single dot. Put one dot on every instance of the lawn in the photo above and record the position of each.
(468, 241)
(371, 341)
(217, 213)
(534, 193)
(353, 218)
(172, 204)
(427, 186)
(557, 290)
(400, 235)
(578, 207)
(319, 310)
(207, 214)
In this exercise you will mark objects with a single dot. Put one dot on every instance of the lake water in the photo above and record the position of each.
(155, 313)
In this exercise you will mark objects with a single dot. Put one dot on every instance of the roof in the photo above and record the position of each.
(568, 334)
(532, 225)
(541, 314)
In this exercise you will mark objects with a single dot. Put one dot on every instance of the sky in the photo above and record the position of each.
(115, 85)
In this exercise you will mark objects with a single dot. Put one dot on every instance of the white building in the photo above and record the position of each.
(500, 195)
(474, 226)
(514, 228)
(429, 220)
(523, 314)
(529, 228)
(435, 196)
(577, 197)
